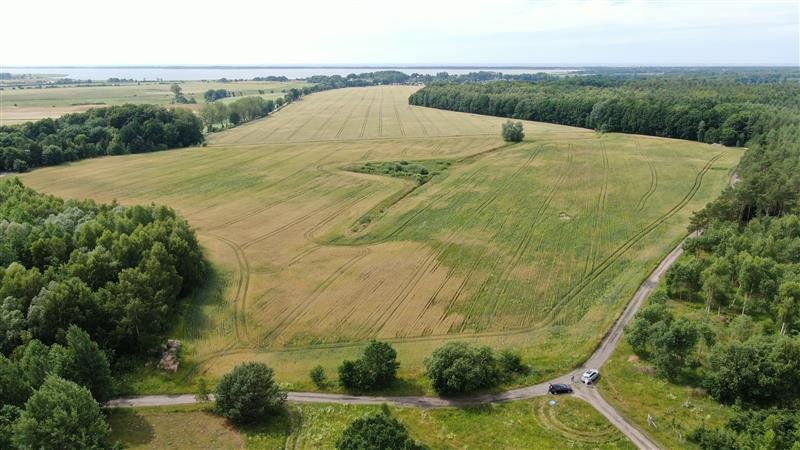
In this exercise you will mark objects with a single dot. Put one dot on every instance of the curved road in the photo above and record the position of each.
(589, 394)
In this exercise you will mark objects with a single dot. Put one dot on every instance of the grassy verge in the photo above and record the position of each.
(570, 423)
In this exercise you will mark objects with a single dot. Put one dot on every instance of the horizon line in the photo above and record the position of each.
(388, 66)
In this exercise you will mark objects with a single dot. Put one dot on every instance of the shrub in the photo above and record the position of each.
(458, 367)
(318, 377)
(377, 432)
(377, 368)
(248, 393)
(512, 131)
(510, 363)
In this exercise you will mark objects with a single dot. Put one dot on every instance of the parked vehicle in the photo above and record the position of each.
(560, 388)
(590, 376)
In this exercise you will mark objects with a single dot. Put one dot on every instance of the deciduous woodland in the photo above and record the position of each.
(117, 272)
(115, 130)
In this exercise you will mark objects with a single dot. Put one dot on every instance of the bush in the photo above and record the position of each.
(512, 131)
(510, 363)
(377, 432)
(61, 414)
(458, 367)
(318, 377)
(376, 369)
(248, 393)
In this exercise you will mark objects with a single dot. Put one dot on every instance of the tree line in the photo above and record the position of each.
(114, 130)
(238, 111)
(711, 111)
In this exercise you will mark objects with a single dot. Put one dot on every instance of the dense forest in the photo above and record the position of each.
(81, 285)
(706, 110)
(117, 272)
(103, 131)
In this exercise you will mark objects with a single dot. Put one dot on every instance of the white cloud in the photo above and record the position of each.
(412, 31)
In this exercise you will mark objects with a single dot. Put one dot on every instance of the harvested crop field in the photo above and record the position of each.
(536, 245)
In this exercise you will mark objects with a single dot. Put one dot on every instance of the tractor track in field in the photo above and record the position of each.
(597, 218)
(399, 122)
(419, 122)
(465, 179)
(481, 207)
(430, 263)
(302, 307)
(347, 118)
(642, 203)
(523, 244)
(312, 116)
(380, 115)
(366, 118)
(290, 196)
(242, 286)
(631, 241)
(327, 121)
(296, 221)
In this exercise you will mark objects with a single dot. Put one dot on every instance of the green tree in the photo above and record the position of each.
(248, 393)
(377, 432)
(512, 131)
(788, 308)
(717, 283)
(458, 367)
(35, 363)
(318, 377)
(13, 388)
(59, 305)
(377, 368)
(673, 346)
(61, 414)
(754, 272)
(8, 416)
(202, 391)
(86, 364)
(234, 118)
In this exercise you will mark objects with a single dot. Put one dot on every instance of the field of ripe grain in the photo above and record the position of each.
(536, 245)
(19, 105)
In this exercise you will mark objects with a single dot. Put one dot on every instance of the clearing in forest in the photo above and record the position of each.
(536, 245)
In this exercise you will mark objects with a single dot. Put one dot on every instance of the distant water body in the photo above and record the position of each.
(248, 72)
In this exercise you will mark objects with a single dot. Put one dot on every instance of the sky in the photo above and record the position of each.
(429, 32)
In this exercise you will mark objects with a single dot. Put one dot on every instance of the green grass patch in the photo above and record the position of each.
(569, 423)
(420, 171)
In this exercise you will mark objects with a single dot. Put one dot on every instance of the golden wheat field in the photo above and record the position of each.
(536, 245)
